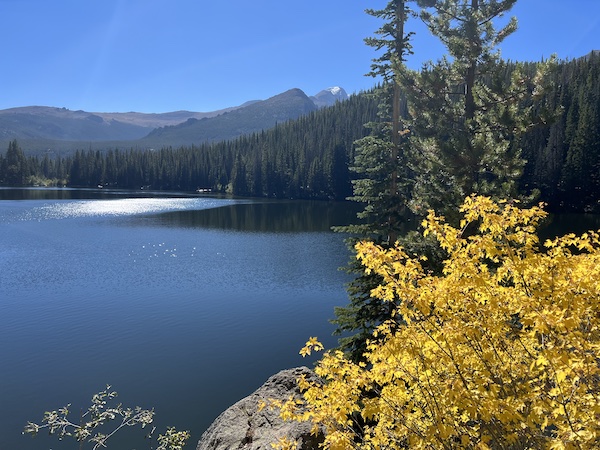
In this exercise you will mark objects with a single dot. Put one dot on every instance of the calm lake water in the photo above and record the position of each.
(181, 303)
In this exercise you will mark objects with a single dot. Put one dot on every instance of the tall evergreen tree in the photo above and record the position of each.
(468, 110)
(383, 180)
(14, 165)
(382, 183)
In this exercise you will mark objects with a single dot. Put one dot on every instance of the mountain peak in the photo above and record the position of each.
(329, 96)
(336, 90)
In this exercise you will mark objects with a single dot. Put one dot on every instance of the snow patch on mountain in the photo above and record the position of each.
(329, 96)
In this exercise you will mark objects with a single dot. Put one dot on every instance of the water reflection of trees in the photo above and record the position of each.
(273, 217)
(44, 193)
(560, 224)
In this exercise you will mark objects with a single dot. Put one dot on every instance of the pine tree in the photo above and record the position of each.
(14, 165)
(381, 158)
(580, 179)
(383, 181)
(469, 109)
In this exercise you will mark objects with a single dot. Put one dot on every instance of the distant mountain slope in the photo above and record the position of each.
(41, 122)
(254, 117)
(156, 120)
(591, 54)
(47, 129)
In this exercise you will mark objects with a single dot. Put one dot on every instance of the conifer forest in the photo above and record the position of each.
(311, 157)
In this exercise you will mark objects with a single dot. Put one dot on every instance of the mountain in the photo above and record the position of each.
(255, 117)
(41, 128)
(329, 96)
(41, 122)
(593, 53)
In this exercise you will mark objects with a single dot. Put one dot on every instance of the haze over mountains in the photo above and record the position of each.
(40, 128)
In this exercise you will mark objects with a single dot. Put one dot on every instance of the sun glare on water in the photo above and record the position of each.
(118, 207)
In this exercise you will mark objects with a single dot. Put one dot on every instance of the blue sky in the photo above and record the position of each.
(203, 55)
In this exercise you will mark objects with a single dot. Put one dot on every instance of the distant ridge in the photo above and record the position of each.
(590, 55)
(255, 117)
(51, 129)
(43, 122)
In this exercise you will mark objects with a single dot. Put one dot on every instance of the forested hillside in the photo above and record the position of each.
(242, 121)
(304, 158)
(563, 157)
(41, 129)
(310, 157)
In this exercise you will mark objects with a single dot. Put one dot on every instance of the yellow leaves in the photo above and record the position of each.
(261, 406)
(502, 346)
(285, 443)
(289, 409)
(560, 376)
(311, 345)
(303, 383)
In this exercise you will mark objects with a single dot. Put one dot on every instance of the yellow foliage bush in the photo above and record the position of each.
(501, 351)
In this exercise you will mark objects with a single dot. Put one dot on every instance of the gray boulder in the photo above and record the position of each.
(243, 427)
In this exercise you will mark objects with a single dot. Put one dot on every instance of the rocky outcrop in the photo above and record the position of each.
(243, 427)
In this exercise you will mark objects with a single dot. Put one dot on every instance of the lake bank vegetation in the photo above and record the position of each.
(467, 334)
(310, 157)
(498, 352)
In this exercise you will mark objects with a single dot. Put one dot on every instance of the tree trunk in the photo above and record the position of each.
(396, 125)
(472, 70)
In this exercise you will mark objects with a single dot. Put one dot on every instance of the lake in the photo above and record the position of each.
(182, 303)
